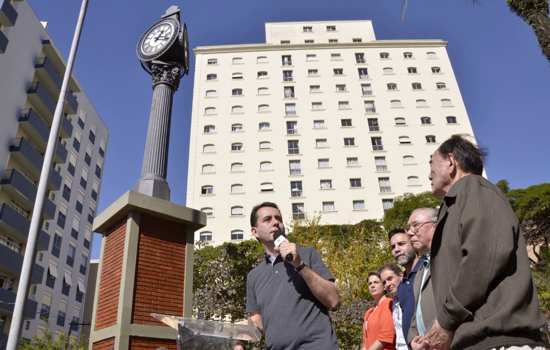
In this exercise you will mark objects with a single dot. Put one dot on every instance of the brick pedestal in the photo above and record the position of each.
(146, 266)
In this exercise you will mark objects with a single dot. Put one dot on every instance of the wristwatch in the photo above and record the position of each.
(300, 267)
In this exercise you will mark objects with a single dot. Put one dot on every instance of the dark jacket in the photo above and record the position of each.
(481, 277)
(427, 302)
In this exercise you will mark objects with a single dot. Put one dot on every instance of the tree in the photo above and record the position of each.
(503, 185)
(47, 341)
(404, 205)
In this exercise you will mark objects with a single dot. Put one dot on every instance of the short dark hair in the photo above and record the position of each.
(468, 156)
(392, 267)
(373, 273)
(254, 212)
(395, 231)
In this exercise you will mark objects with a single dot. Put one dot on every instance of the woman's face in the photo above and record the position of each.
(376, 289)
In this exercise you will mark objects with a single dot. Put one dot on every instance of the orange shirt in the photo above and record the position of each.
(378, 325)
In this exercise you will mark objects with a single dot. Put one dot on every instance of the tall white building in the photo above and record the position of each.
(31, 72)
(322, 119)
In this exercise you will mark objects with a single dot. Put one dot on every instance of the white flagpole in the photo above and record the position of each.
(24, 279)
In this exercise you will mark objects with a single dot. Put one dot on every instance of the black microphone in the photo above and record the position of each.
(278, 238)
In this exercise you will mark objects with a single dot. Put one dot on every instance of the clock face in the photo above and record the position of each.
(158, 38)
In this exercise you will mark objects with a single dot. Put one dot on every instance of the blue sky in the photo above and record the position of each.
(502, 74)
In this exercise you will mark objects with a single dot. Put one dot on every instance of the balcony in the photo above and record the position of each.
(39, 132)
(71, 102)
(8, 15)
(47, 73)
(31, 159)
(18, 225)
(11, 262)
(41, 99)
(7, 300)
(3, 42)
(23, 191)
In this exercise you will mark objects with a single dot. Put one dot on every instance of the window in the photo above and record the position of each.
(237, 188)
(79, 296)
(71, 164)
(207, 190)
(380, 163)
(263, 91)
(263, 108)
(338, 71)
(289, 91)
(360, 57)
(421, 103)
(407, 55)
(391, 86)
(291, 128)
(355, 182)
(440, 86)
(237, 60)
(412, 70)
(314, 89)
(78, 204)
(345, 123)
(91, 136)
(237, 235)
(387, 203)
(311, 57)
(451, 119)
(336, 56)
(298, 211)
(366, 89)
(208, 211)
(237, 92)
(237, 127)
(61, 218)
(323, 163)
(356, 40)
(363, 73)
(210, 110)
(76, 141)
(236, 167)
(295, 188)
(316, 106)
(349, 141)
(395, 104)
(212, 61)
(211, 76)
(373, 124)
(262, 74)
(208, 169)
(264, 126)
(52, 275)
(66, 192)
(321, 143)
(384, 55)
(266, 166)
(369, 107)
(263, 59)
(425, 120)
(416, 86)
(413, 181)
(331, 28)
(293, 147)
(236, 147)
(325, 184)
(358, 204)
(294, 167)
(61, 318)
(312, 72)
(97, 171)
(237, 210)
(343, 105)
(265, 145)
(287, 60)
(71, 255)
(75, 228)
(205, 236)
(287, 75)
(328, 206)
(376, 143)
(237, 109)
(404, 140)
(430, 138)
(319, 124)
(66, 287)
(290, 108)
(387, 70)
(80, 121)
(87, 158)
(237, 76)
(436, 70)
(45, 308)
(431, 55)
(446, 102)
(211, 93)
(352, 161)
(332, 41)
(209, 129)
(384, 184)
(408, 159)
(208, 148)
(307, 29)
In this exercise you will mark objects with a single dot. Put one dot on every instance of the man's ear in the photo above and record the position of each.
(253, 232)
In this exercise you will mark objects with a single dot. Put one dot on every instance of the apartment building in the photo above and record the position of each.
(322, 118)
(31, 71)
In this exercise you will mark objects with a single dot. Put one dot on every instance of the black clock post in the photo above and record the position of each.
(146, 261)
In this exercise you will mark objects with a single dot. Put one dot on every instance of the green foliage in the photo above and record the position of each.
(503, 185)
(47, 341)
(403, 206)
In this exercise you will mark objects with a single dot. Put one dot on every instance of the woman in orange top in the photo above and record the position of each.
(378, 329)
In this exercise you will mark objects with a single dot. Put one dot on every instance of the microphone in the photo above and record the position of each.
(278, 238)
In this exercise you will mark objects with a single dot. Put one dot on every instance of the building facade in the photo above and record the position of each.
(32, 71)
(323, 119)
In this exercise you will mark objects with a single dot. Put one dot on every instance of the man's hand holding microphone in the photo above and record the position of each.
(287, 249)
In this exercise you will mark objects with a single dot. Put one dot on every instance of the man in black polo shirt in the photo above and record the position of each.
(289, 299)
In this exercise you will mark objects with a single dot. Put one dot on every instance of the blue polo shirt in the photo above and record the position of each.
(405, 295)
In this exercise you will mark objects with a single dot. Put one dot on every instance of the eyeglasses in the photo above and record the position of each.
(415, 226)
